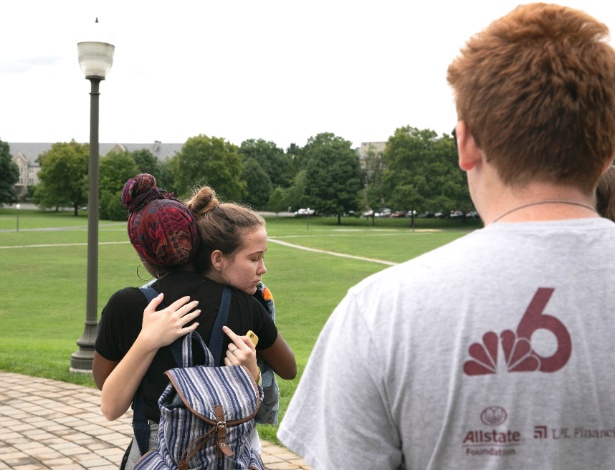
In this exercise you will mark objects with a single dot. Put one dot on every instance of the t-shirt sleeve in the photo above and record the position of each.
(120, 323)
(264, 326)
(342, 389)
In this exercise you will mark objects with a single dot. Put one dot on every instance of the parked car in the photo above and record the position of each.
(305, 212)
(398, 214)
(383, 213)
(369, 213)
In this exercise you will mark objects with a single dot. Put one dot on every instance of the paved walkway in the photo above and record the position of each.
(46, 424)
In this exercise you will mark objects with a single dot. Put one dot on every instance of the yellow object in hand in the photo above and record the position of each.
(250, 334)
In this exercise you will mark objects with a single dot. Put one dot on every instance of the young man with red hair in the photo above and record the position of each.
(496, 350)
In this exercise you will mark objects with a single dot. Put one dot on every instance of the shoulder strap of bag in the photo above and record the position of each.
(217, 336)
(140, 425)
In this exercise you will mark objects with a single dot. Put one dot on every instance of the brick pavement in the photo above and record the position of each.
(46, 424)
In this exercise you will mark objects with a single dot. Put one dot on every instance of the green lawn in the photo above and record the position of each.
(42, 304)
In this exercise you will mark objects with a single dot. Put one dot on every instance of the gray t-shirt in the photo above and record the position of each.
(495, 351)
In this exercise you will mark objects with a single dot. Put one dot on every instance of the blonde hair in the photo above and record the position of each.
(221, 225)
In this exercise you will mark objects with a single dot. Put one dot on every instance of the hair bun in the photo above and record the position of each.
(137, 190)
(203, 200)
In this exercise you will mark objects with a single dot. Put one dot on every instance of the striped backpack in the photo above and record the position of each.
(206, 416)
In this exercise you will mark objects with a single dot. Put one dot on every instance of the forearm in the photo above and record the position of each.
(120, 387)
(280, 358)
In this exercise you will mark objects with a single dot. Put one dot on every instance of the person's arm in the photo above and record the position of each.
(280, 358)
(119, 380)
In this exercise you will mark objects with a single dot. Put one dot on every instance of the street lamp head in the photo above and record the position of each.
(95, 58)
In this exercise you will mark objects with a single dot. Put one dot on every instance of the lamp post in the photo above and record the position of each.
(95, 59)
(17, 206)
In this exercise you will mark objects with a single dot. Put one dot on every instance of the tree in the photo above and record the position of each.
(371, 171)
(293, 153)
(63, 176)
(9, 175)
(296, 195)
(332, 175)
(421, 172)
(164, 177)
(259, 185)
(115, 169)
(146, 161)
(208, 161)
(277, 200)
(272, 160)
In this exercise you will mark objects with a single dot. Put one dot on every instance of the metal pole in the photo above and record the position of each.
(17, 207)
(81, 360)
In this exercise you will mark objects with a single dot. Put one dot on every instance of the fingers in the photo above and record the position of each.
(182, 305)
(239, 351)
(153, 305)
(231, 334)
(239, 341)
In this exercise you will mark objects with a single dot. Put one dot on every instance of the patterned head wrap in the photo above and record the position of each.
(160, 227)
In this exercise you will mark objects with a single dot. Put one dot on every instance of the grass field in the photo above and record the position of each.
(43, 279)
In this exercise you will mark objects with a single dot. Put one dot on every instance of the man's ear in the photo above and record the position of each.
(467, 149)
(606, 167)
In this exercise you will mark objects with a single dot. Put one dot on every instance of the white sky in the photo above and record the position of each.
(280, 70)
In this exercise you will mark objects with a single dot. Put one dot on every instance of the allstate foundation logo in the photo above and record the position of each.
(519, 356)
(494, 416)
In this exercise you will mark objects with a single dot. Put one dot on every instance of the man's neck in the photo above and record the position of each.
(538, 202)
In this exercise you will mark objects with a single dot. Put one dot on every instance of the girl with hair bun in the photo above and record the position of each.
(233, 242)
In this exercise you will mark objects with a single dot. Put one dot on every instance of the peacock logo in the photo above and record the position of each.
(517, 347)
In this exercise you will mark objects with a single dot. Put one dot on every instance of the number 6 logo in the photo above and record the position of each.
(517, 348)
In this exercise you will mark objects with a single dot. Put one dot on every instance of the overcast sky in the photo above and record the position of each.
(280, 70)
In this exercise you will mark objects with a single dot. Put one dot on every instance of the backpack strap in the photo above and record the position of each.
(140, 425)
(217, 336)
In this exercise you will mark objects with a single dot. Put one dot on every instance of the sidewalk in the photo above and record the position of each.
(46, 424)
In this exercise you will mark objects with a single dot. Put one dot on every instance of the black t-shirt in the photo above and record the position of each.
(122, 318)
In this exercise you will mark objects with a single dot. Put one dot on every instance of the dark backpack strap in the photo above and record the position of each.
(140, 425)
(217, 335)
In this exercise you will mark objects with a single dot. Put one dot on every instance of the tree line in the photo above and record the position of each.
(417, 170)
